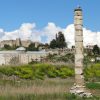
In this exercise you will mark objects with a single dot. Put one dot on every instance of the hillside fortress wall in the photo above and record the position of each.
(18, 42)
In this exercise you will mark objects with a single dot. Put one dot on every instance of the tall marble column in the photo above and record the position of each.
(79, 86)
(78, 24)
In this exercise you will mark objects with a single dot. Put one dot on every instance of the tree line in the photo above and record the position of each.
(59, 41)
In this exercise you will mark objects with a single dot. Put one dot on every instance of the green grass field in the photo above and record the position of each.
(44, 82)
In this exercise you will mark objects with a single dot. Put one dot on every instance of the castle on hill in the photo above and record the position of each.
(18, 42)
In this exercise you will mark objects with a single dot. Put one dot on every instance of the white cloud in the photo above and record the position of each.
(89, 37)
(69, 34)
(10, 35)
(98, 38)
(50, 31)
(29, 31)
(26, 30)
(1, 32)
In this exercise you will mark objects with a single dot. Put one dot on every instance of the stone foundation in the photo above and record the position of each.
(80, 91)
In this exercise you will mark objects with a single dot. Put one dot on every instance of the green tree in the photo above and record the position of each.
(46, 45)
(32, 47)
(7, 47)
(96, 50)
(53, 44)
(60, 40)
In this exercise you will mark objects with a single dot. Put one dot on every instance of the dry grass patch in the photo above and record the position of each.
(37, 87)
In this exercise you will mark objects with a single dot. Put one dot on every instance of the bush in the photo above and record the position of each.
(38, 71)
(24, 72)
(7, 71)
(66, 72)
(93, 85)
(51, 72)
(92, 72)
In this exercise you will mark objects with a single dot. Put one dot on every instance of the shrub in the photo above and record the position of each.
(24, 72)
(7, 71)
(51, 72)
(38, 71)
(66, 72)
(93, 71)
(93, 85)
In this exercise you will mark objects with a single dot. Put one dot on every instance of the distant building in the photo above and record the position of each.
(17, 42)
(89, 47)
(7, 42)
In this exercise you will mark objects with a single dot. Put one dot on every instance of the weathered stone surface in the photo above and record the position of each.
(78, 13)
(15, 57)
(78, 38)
(78, 47)
(78, 71)
(79, 87)
(80, 91)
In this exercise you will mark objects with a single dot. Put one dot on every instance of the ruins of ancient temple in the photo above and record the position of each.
(79, 86)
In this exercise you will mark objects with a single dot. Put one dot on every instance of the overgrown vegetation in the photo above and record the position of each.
(48, 89)
(39, 71)
(75, 97)
(96, 50)
(34, 97)
(8, 47)
(69, 58)
(26, 82)
(59, 41)
(32, 47)
(92, 85)
(92, 72)
(47, 97)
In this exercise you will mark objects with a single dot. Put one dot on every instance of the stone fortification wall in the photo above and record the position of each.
(7, 42)
(17, 57)
(61, 51)
(17, 42)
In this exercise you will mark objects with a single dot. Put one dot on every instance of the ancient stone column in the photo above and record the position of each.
(79, 86)
(78, 24)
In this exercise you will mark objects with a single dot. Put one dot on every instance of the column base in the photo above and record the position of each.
(80, 91)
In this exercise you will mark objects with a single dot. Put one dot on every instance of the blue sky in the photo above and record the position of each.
(40, 20)
(15, 12)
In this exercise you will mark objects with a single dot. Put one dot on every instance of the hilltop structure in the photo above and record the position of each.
(79, 86)
(18, 42)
